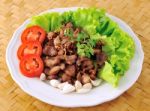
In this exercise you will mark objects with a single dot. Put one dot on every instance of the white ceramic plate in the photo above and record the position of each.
(50, 95)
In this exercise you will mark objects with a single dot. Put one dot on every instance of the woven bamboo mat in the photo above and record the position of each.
(134, 12)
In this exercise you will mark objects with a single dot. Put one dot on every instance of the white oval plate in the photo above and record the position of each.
(50, 95)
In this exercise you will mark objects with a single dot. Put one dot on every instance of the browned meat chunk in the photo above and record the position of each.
(51, 35)
(87, 65)
(64, 40)
(52, 77)
(92, 74)
(49, 50)
(65, 78)
(46, 70)
(78, 62)
(54, 70)
(49, 62)
(93, 77)
(57, 41)
(50, 42)
(79, 77)
(61, 52)
(83, 59)
(62, 66)
(70, 70)
(101, 58)
(70, 47)
(71, 59)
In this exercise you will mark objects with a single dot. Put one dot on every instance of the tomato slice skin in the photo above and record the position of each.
(33, 33)
(33, 47)
(31, 65)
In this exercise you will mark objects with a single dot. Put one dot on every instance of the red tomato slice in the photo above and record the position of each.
(31, 65)
(33, 33)
(29, 48)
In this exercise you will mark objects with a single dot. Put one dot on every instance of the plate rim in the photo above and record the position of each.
(28, 91)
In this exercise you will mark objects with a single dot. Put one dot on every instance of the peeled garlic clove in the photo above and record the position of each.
(42, 77)
(87, 86)
(68, 88)
(78, 85)
(96, 82)
(83, 90)
(61, 85)
(54, 82)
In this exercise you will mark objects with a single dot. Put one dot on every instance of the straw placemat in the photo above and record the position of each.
(134, 12)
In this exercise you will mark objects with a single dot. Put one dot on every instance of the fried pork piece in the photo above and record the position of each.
(49, 50)
(101, 58)
(71, 59)
(70, 70)
(51, 61)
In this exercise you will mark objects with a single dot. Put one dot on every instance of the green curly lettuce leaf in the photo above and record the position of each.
(106, 26)
(107, 74)
(48, 21)
(120, 49)
(88, 19)
(67, 17)
(56, 21)
(40, 20)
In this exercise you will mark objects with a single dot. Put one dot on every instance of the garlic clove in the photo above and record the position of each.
(83, 90)
(61, 85)
(87, 86)
(96, 82)
(54, 82)
(68, 88)
(78, 85)
(42, 77)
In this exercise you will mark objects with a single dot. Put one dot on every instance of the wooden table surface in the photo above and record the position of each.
(134, 12)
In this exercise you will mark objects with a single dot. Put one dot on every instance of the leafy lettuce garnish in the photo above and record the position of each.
(119, 46)
(107, 73)
(120, 49)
